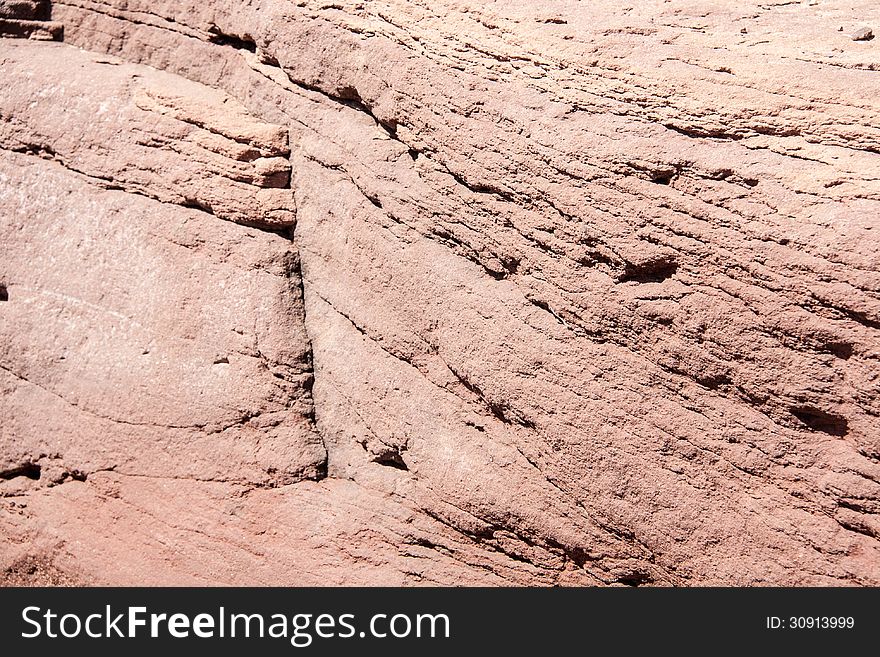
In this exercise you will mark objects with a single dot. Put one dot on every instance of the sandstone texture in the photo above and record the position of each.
(448, 293)
(29, 19)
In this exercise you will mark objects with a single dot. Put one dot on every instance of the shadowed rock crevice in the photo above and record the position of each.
(653, 271)
(238, 42)
(407, 298)
(29, 19)
(819, 420)
(29, 470)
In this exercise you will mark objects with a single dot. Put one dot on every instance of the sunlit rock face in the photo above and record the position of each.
(505, 293)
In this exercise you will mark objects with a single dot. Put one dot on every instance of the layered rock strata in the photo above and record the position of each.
(360, 293)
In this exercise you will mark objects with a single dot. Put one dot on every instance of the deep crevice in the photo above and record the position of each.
(193, 204)
(653, 271)
(347, 95)
(842, 350)
(481, 188)
(243, 42)
(711, 381)
(860, 318)
(543, 305)
(322, 469)
(699, 133)
(389, 456)
(40, 150)
(372, 198)
(392, 459)
(634, 579)
(823, 421)
(29, 470)
(664, 178)
(16, 28)
(503, 412)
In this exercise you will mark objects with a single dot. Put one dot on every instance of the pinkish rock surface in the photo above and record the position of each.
(460, 293)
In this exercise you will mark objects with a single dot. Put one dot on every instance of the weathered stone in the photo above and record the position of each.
(136, 339)
(28, 19)
(33, 10)
(591, 296)
(146, 132)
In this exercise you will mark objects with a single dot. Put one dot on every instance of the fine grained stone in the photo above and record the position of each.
(156, 134)
(28, 19)
(36, 30)
(136, 340)
(25, 9)
(590, 295)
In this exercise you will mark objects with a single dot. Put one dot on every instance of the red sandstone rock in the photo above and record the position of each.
(552, 294)
(28, 19)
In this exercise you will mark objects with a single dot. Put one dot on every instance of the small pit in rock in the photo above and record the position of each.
(654, 271)
(819, 420)
(392, 460)
(663, 177)
(29, 470)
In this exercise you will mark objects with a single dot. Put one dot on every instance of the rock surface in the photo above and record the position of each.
(468, 293)
(28, 19)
